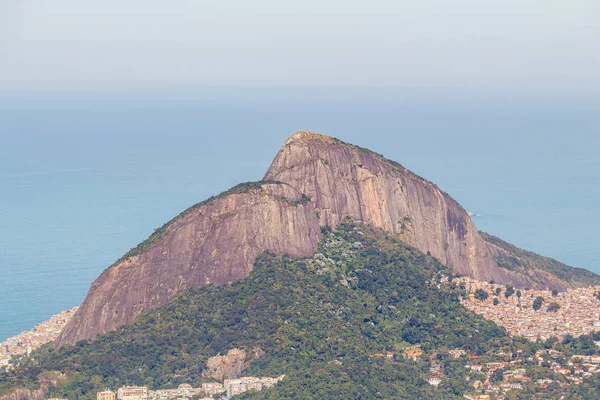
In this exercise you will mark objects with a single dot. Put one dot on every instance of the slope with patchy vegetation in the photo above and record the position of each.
(318, 320)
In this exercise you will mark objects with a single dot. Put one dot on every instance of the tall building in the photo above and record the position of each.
(241, 385)
(106, 395)
(132, 393)
(212, 388)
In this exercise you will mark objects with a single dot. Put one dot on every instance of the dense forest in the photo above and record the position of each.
(317, 320)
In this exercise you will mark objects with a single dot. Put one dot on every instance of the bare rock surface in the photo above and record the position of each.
(216, 243)
(228, 366)
(348, 181)
(314, 181)
(41, 393)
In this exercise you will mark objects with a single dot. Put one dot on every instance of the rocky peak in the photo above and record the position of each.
(307, 136)
(213, 242)
(349, 181)
(313, 182)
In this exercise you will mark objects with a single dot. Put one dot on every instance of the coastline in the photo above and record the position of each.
(30, 340)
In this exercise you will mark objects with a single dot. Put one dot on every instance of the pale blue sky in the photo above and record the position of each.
(112, 44)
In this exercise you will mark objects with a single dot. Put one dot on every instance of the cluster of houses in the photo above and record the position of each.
(413, 352)
(514, 373)
(26, 342)
(229, 388)
(574, 312)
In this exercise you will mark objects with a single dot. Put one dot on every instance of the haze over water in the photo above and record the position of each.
(83, 181)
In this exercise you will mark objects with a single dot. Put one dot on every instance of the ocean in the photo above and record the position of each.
(84, 180)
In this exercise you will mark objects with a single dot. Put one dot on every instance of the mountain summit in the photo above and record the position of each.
(315, 181)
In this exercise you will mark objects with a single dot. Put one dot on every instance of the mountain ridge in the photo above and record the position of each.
(315, 181)
(198, 243)
(347, 180)
(319, 320)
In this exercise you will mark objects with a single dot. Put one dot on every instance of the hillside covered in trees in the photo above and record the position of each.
(317, 320)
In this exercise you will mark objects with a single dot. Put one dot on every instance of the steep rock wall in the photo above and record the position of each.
(321, 181)
(347, 181)
(213, 244)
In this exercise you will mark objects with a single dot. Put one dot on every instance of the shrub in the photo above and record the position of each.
(481, 294)
(537, 303)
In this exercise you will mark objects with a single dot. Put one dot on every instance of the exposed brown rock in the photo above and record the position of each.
(46, 382)
(217, 242)
(344, 180)
(229, 366)
(26, 394)
(347, 181)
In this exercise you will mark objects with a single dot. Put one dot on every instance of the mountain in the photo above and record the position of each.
(214, 242)
(315, 181)
(320, 320)
(533, 265)
(346, 180)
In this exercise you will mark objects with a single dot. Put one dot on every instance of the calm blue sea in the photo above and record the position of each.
(83, 181)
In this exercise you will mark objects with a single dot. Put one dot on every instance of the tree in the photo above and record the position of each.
(497, 376)
(553, 307)
(481, 294)
(509, 292)
(537, 303)
(550, 342)
(555, 293)
(568, 339)
(284, 307)
(519, 294)
(498, 290)
(496, 301)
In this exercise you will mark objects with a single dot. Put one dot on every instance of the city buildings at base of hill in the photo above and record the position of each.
(28, 341)
(572, 312)
(231, 387)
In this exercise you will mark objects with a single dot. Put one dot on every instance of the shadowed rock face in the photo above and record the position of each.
(215, 243)
(218, 241)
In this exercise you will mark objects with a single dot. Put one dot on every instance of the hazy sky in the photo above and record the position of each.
(84, 44)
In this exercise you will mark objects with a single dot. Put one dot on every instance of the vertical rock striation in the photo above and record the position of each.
(215, 243)
(348, 181)
(314, 181)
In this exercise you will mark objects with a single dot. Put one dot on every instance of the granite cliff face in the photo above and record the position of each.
(211, 243)
(314, 181)
(344, 180)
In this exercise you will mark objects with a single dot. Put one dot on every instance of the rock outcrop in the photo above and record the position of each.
(344, 180)
(45, 384)
(228, 366)
(348, 181)
(314, 181)
(213, 243)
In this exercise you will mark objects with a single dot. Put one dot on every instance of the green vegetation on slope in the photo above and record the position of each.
(318, 321)
(524, 260)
